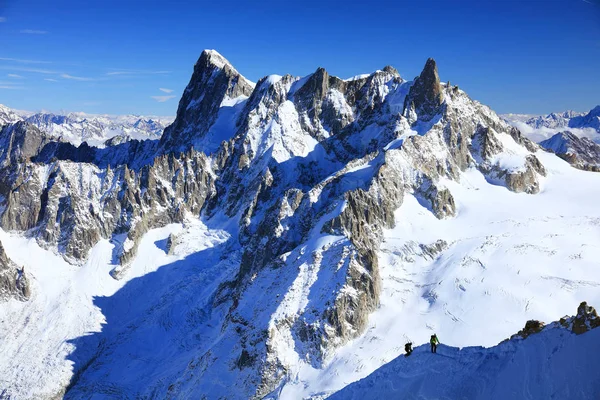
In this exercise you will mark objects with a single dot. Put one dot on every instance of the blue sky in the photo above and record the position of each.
(123, 57)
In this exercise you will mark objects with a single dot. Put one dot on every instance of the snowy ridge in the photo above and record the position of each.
(8, 116)
(545, 365)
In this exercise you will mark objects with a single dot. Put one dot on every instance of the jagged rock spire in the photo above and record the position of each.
(426, 94)
(213, 80)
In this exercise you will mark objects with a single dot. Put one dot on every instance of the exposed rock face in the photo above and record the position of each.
(13, 280)
(73, 205)
(19, 142)
(581, 153)
(425, 96)
(171, 243)
(531, 327)
(585, 320)
(214, 80)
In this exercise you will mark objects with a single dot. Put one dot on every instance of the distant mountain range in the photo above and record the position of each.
(557, 121)
(573, 136)
(95, 130)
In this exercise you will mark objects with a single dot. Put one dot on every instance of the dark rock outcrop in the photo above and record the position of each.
(585, 320)
(531, 327)
(20, 142)
(426, 94)
(13, 280)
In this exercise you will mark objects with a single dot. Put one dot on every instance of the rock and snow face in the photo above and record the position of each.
(8, 116)
(13, 280)
(337, 216)
(581, 153)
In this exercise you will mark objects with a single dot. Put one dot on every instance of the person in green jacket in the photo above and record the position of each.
(434, 342)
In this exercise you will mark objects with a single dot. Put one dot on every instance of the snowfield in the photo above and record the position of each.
(37, 336)
(509, 258)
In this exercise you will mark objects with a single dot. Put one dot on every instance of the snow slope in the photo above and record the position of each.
(548, 365)
(39, 336)
(508, 258)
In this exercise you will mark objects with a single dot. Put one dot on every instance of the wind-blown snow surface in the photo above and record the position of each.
(548, 365)
(511, 257)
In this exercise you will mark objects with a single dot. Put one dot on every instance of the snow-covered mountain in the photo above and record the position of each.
(539, 127)
(8, 116)
(95, 130)
(283, 239)
(571, 135)
(580, 152)
(547, 364)
(567, 119)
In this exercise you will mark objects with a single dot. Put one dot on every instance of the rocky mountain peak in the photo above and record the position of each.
(214, 80)
(391, 70)
(426, 94)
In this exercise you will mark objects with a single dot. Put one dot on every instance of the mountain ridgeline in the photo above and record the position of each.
(289, 162)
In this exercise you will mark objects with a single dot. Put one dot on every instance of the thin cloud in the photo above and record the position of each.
(2, 19)
(19, 60)
(77, 78)
(15, 76)
(119, 71)
(51, 80)
(165, 90)
(33, 32)
(162, 99)
(10, 87)
(35, 70)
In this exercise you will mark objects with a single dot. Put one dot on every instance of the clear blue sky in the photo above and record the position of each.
(114, 56)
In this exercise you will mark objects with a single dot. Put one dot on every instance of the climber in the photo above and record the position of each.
(434, 342)
(408, 348)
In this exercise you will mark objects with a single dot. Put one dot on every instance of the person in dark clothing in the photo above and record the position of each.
(434, 342)
(408, 348)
